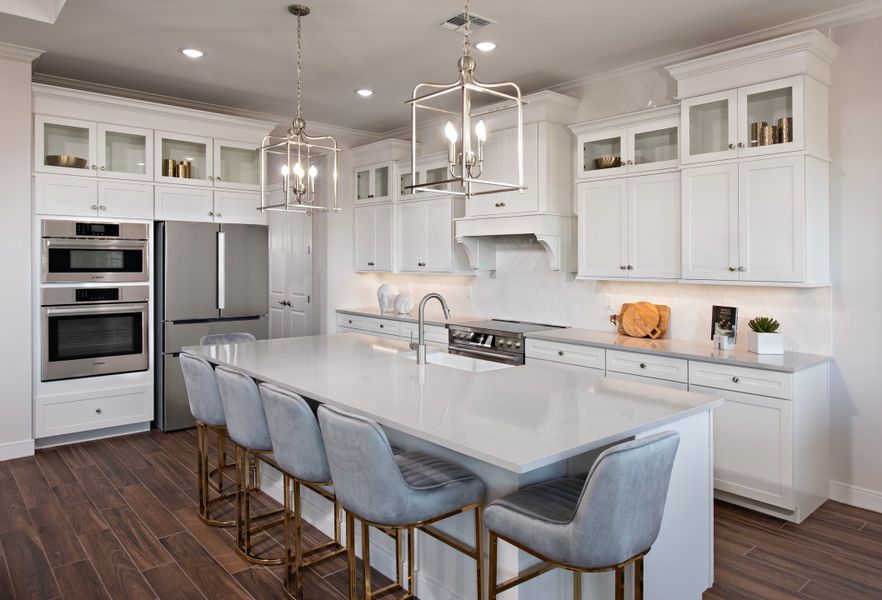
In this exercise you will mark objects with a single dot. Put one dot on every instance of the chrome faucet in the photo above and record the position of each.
(420, 346)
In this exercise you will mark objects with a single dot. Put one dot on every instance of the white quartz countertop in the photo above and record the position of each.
(789, 362)
(516, 418)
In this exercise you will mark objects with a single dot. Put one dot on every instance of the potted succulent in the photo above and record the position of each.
(763, 337)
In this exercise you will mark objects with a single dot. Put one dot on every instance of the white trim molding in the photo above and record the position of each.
(856, 496)
(16, 449)
(19, 53)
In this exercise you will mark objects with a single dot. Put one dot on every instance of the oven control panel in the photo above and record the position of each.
(464, 337)
(97, 294)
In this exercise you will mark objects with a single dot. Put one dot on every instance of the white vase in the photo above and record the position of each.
(765, 343)
(403, 304)
(386, 296)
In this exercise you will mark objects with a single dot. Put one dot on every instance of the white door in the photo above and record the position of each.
(57, 136)
(769, 103)
(501, 165)
(125, 199)
(771, 205)
(125, 153)
(710, 127)
(438, 257)
(603, 240)
(63, 195)
(290, 274)
(710, 222)
(753, 447)
(238, 207)
(365, 236)
(383, 237)
(412, 236)
(176, 203)
(654, 226)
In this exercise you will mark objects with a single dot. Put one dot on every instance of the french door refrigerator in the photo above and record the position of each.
(211, 278)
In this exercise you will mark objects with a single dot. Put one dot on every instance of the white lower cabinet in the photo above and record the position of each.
(89, 197)
(647, 365)
(674, 385)
(373, 237)
(97, 412)
(571, 354)
(435, 334)
(179, 203)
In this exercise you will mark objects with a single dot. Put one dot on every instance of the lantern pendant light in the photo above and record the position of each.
(465, 131)
(299, 152)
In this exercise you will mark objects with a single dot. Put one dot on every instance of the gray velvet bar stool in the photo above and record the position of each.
(404, 491)
(299, 452)
(207, 409)
(586, 525)
(216, 339)
(248, 429)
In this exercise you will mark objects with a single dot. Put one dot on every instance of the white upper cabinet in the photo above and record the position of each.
(88, 197)
(125, 152)
(500, 164)
(603, 221)
(710, 123)
(238, 207)
(373, 183)
(236, 165)
(71, 140)
(635, 143)
(710, 222)
(125, 199)
(373, 239)
(376, 176)
(425, 236)
(430, 169)
(173, 149)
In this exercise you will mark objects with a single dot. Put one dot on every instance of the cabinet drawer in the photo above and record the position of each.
(582, 356)
(352, 322)
(434, 333)
(674, 385)
(96, 413)
(740, 379)
(384, 327)
(647, 365)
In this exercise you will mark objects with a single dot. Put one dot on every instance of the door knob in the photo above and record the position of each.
(217, 215)
(282, 302)
(560, 352)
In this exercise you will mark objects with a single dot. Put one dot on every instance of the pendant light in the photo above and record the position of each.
(299, 171)
(465, 131)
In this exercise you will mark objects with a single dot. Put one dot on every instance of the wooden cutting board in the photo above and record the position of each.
(644, 319)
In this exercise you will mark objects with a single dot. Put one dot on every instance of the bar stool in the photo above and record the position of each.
(216, 339)
(404, 491)
(299, 452)
(586, 525)
(247, 428)
(207, 409)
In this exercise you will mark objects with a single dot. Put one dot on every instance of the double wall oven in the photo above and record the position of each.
(89, 329)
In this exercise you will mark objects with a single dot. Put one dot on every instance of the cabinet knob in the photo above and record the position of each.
(218, 215)
(102, 207)
(560, 352)
(210, 178)
(98, 411)
(218, 178)
(623, 267)
(642, 365)
(630, 162)
(502, 204)
(735, 380)
(211, 213)
(350, 321)
(741, 144)
(731, 146)
(382, 326)
(102, 167)
(94, 207)
(732, 269)
(630, 268)
(741, 269)
(94, 167)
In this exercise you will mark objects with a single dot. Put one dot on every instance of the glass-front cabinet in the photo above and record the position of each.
(236, 165)
(603, 153)
(125, 152)
(183, 159)
(373, 183)
(761, 119)
(430, 169)
(65, 146)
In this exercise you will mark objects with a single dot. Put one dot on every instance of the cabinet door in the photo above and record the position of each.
(175, 203)
(367, 245)
(195, 150)
(603, 243)
(383, 237)
(753, 447)
(710, 222)
(501, 165)
(56, 136)
(438, 257)
(63, 195)
(382, 183)
(238, 207)
(772, 103)
(125, 153)
(363, 185)
(771, 206)
(596, 151)
(654, 146)
(674, 385)
(412, 236)
(654, 226)
(710, 127)
(236, 165)
(125, 199)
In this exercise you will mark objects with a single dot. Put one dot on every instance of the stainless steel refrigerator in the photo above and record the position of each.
(210, 278)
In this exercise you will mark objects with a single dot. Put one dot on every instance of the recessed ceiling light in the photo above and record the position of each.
(364, 92)
(485, 46)
(192, 53)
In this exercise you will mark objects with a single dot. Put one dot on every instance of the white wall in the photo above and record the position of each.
(16, 433)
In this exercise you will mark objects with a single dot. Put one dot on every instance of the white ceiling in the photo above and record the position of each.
(387, 45)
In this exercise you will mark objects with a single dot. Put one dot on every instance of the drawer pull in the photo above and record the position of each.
(382, 326)
(350, 321)
(560, 352)
(642, 365)
(735, 379)
(98, 410)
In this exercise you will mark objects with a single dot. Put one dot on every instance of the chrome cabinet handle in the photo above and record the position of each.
(735, 380)
(94, 207)
(741, 144)
(102, 167)
(94, 167)
(210, 178)
(102, 207)
(98, 411)
(217, 178)
(731, 146)
(218, 215)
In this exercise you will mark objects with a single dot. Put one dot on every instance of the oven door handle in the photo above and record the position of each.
(55, 311)
(97, 244)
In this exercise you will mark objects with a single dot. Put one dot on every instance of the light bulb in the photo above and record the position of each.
(298, 170)
(285, 170)
(450, 132)
(313, 171)
(481, 131)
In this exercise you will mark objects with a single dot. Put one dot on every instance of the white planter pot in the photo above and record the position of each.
(765, 343)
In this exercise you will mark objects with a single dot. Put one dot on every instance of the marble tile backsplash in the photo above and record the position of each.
(524, 287)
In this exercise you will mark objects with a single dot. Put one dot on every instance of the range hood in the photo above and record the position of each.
(556, 234)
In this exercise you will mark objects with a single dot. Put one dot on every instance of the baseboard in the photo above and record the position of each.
(16, 449)
(856, 496)
(95, 434)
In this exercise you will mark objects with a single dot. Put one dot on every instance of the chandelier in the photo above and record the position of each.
(465, 143)
(298, 153)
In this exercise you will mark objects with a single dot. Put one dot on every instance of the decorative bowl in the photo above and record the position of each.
(607, 162)
(63, 160)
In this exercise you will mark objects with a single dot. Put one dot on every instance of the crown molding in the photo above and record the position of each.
(826, 20)
(19, 53)
(204, 107)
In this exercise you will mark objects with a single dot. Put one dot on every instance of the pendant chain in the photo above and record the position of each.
(466, 42)
(299, 60)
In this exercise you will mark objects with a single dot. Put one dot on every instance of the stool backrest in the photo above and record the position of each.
(243, 408)
(202, 392)
(225, 338)
(367, 480)
(623, 501)
(297, 440)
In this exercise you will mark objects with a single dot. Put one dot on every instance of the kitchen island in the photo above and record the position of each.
(513, 426)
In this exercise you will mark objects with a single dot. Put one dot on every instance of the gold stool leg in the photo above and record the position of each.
(411, 583)
(577, 585)
(241, 470)
(286, 500)
(638, 579)
(620, 583)
(492, 572)
(350, 545)
(366, 559)
(298, 539)
(479, 551)
(399, 559)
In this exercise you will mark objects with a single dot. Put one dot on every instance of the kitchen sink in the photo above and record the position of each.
(455, 361)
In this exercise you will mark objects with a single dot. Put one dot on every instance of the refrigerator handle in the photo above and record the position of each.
(221, 269)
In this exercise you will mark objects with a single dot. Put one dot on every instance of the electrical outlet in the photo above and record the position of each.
(608, 302)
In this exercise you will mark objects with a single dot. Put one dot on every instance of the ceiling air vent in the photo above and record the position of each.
(457, 22)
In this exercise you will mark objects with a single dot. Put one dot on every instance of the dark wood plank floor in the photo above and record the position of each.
(116, 518)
